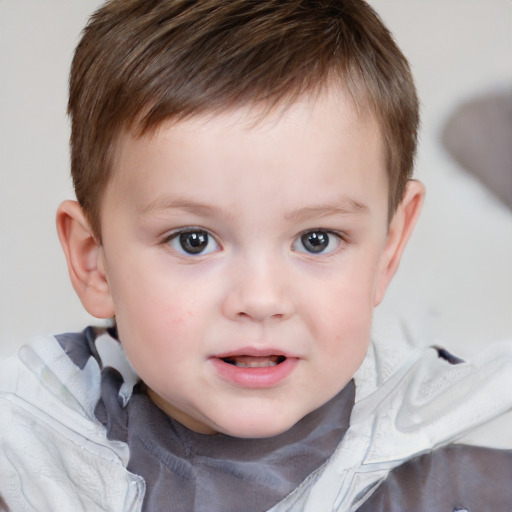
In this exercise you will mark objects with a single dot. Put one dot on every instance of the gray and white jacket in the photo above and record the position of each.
(412, 439)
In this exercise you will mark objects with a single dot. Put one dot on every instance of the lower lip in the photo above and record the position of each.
(255, 377)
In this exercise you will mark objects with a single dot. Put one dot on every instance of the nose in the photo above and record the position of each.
(258, 292)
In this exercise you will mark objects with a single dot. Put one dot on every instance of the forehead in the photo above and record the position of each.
(282, 149)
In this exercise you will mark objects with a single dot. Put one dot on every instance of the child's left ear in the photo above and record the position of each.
(399, 231)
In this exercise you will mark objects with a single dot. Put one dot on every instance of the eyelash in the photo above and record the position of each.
(176, 242)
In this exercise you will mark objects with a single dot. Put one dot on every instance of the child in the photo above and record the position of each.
(243, 176)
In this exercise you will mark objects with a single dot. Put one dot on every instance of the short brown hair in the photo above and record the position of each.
(142, 62)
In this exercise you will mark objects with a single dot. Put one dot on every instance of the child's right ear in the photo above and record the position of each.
(85, 259)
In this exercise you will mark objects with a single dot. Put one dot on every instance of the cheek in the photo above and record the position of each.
(156, 318)
(159, 340)
(156, 321)
(350, 303)
(343, 318)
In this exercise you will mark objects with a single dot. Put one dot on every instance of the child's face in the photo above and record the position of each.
(244, 261)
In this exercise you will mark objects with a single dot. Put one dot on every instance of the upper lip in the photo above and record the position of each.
(254, 352)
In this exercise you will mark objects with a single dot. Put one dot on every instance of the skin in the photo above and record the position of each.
(251, 188)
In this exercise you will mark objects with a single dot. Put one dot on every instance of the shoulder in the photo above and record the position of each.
(44, 375)
(48, 392)
(429, 403)
(452, 478)
(433, 398)
(408, 410)
(59, 373)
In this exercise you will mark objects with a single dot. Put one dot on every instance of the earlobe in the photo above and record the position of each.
(400, 229)
(85, 259)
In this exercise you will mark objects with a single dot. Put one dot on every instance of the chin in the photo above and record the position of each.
(257, 428)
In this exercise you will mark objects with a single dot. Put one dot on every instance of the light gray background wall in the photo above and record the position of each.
(455, 283)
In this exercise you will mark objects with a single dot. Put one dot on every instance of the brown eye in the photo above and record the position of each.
(193, 242)
(317, 242)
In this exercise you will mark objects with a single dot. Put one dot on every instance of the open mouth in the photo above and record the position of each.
(254, 361)
(253, 368)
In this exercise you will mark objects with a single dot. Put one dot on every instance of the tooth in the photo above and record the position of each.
(254, 362)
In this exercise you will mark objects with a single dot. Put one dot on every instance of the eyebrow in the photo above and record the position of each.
(342, 207)
(166, 203)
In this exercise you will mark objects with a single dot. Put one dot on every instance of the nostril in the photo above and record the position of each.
(257, 300)
(256, 316)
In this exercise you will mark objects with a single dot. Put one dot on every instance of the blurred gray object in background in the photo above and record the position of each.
(478, 135)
